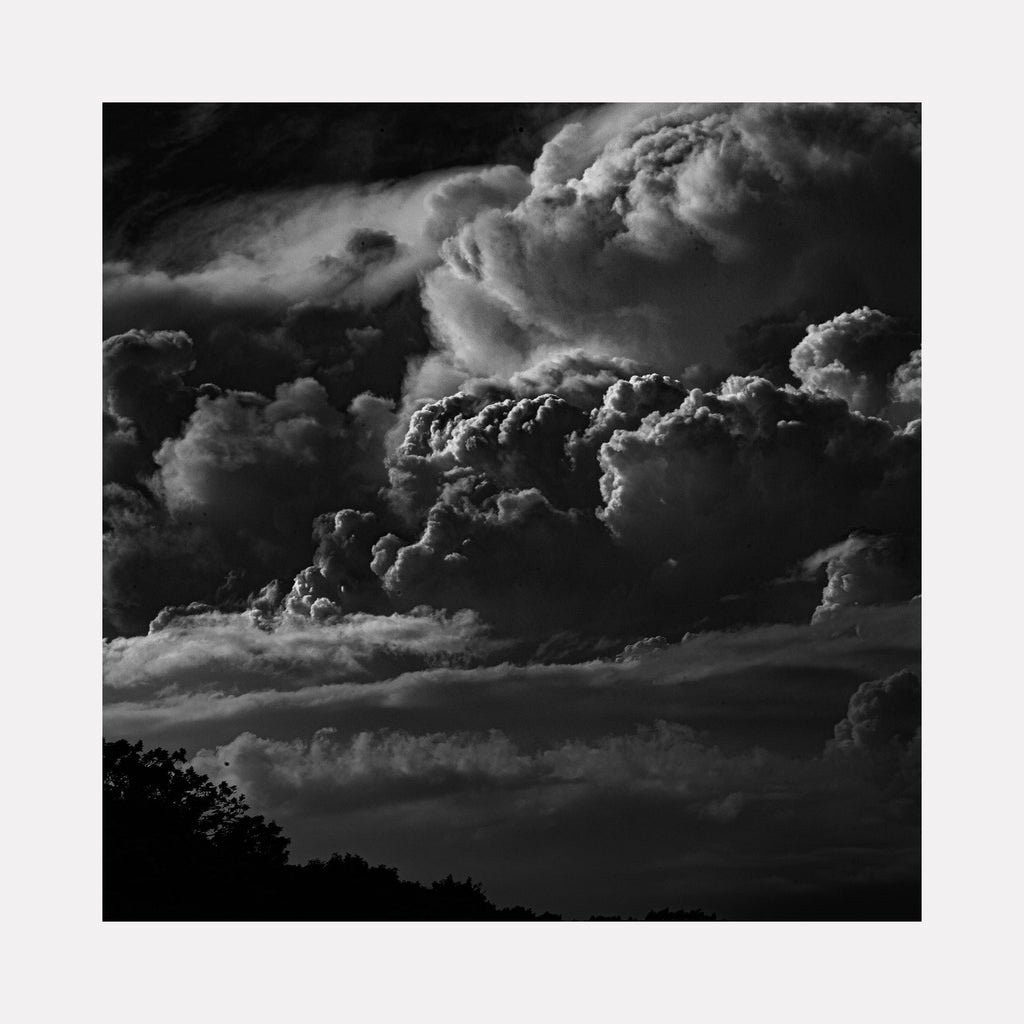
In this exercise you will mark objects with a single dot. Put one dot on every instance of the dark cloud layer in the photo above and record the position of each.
(530, 492)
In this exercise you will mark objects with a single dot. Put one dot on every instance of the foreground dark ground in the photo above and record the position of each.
(178, 848)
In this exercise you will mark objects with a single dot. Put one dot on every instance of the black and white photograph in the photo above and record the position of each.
(512, 511)
(496, 590)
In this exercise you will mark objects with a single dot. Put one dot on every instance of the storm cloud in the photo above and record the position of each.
(682, 228)
(534, 495)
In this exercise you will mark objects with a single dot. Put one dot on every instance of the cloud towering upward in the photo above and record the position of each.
(681, 228)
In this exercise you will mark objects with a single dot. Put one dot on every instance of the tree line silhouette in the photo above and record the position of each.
(178, 847)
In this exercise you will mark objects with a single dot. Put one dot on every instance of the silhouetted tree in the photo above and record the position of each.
(173, 840)
(177, 846)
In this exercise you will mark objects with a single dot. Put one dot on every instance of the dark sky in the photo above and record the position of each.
(528, 491)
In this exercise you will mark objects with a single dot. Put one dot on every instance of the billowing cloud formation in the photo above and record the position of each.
(682, 204)
(145, 397)
(882, 712)
(870, 360)
(905, 388)
(870, 570)
(680, 230)
(293, 426)
(239, 452)
(750, 461)
(554, 524)
(249, 475)
(297, 314)
(341, 578)
(256, 342)
(458, 200)
(142, 379)
(633, 511)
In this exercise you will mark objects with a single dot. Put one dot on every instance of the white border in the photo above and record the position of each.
(63, 962)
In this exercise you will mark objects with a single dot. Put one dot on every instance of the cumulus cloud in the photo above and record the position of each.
(905, 388)
(548, 435)
(882, 712)
(237, 471)
(240, 453)
(802, 465)
(341, 578)
(515, 557)
(680, 229)
(882, 730)
(537, 512)
(869, 570)
(254, 343)
(124, 455)
(868, 359)
(142, 379)
(145, 398)
(617, 512)
(577, 377)
(244, 480)
(269, 288)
